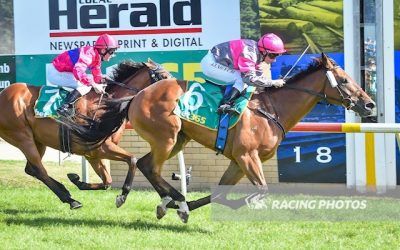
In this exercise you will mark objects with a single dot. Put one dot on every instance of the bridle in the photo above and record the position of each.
(156, 73)
(345, 98)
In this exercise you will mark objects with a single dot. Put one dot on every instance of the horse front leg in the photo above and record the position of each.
(34, 152)
(110, 150)
(164, 189)
(126, 188)
(160, 185)
(101, 170)
(231, 176)
(59, 189)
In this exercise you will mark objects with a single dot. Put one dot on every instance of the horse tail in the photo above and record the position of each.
(92, 132)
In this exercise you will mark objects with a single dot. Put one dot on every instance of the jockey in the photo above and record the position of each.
(69, 69)
(238, 62)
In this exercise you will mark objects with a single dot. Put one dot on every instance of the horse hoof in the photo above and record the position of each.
(73, 177)
(120, 200)
(161, 212)
(75, 205)
(183, 215)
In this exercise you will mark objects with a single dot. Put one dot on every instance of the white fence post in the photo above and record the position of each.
(182, 172)
(85, 171)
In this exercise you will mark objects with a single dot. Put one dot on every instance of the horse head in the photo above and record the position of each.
(341, 89)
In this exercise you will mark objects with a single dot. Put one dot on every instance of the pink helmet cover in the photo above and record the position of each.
(106, 41)
(271, 43)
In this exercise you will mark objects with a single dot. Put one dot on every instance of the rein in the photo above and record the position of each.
(311, 92)
(333, 82)
(323, 95)
(154, 74)
(109, 81)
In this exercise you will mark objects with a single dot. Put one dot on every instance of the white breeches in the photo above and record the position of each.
(219, 72)
(65, 79)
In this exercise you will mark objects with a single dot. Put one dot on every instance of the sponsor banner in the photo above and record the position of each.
(7, 71)
(53, 26)
(182, 64)
(318, 24)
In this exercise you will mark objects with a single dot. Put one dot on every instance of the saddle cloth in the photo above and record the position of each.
(199, 104)
(49, 100)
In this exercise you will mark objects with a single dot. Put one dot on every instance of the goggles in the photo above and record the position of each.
(273, 55)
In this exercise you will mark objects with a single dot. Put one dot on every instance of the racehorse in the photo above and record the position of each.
(254, 139)
(20, 127)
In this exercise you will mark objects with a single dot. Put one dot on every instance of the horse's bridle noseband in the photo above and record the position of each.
(345, 98)
(155, 74)
(330, 78)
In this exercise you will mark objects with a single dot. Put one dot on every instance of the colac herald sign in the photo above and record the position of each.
(95, 14)
(138, 25)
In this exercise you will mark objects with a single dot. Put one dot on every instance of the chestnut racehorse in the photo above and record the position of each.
(19, 127)
(253, 140)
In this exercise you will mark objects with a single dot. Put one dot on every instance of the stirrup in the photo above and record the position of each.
(64, 111)
(227, 109)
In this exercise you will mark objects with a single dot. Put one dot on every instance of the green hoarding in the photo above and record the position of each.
(183, 64)
(7, 71)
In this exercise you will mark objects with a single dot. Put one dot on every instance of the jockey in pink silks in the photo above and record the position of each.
(69, 69)
(238, 61)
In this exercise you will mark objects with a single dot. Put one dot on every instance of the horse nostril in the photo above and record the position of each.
(370, 105)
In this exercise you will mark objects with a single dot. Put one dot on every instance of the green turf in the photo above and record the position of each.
(31, 217)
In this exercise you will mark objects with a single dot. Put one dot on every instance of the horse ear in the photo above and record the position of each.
(326, 61)
(150, 61)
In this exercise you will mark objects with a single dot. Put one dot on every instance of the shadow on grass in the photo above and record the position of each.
(139, 225)
(19, 211)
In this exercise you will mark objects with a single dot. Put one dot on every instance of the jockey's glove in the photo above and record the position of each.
(105, 79)
(277, 83)
(262, 81)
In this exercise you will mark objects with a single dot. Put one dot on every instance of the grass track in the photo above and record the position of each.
(31, 217)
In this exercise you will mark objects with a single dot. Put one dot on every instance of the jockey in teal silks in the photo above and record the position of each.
(238, 62)
(69, 69)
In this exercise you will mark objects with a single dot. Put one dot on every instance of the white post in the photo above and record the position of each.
(85, 171)
(351, 60)
(182, 172)
(389, 89)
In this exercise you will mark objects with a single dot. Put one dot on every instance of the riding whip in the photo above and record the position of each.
(298, 60)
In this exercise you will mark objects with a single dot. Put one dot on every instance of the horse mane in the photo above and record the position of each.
(311, 68)
(125, 69)
(92, 133)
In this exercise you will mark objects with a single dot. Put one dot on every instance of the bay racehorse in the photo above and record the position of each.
(20, 127)
(254, 139)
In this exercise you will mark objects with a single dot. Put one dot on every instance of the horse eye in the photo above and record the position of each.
(343, 81)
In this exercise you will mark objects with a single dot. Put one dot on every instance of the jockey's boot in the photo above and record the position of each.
(64, 110)
(227, 103)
